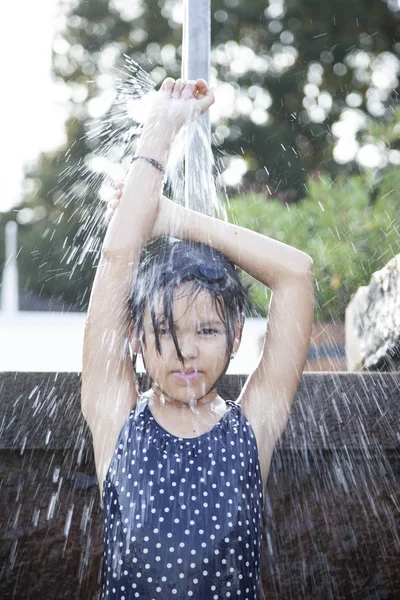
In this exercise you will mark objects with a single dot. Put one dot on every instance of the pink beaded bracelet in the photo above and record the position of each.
(152, 161)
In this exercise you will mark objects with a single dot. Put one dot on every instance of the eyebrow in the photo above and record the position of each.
(161, 320)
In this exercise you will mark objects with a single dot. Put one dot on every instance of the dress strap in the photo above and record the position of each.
(140, 406)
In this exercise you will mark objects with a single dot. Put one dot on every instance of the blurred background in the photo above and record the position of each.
(306, 142)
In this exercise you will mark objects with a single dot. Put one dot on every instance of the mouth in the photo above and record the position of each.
(187, 375)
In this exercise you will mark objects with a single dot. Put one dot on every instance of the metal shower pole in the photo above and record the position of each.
(9, 289)
(196, 45)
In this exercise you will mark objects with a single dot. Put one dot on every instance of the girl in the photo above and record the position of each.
(181, 471)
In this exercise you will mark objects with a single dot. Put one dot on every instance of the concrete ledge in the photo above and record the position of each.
(332, 505)
(331, 411)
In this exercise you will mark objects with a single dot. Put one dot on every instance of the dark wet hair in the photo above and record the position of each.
(168, 265)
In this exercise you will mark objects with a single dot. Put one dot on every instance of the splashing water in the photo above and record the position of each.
(336, 478)
(113, 140)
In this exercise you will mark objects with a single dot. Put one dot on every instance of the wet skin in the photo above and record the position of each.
(202, 340)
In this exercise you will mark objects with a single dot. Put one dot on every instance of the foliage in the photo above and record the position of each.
(297, 55)
(347, 235)
(59, 228)
(291, 68)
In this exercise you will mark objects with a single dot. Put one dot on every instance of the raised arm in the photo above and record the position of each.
(105, 357)
(267, 260)
(109, 388)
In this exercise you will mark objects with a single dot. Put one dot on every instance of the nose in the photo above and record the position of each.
(188, 346)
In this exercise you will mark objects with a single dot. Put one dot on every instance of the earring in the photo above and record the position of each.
(233, 355)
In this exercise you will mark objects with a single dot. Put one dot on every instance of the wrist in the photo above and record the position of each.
(168, 219)
(155, 144)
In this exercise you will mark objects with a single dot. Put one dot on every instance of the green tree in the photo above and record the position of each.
(348, 236)
(294, 70)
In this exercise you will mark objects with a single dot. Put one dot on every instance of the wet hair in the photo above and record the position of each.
(170, 264)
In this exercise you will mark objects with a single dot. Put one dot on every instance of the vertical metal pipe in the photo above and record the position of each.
(9, 288)
(196, 64)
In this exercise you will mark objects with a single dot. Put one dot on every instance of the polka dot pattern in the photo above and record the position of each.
(183, 517)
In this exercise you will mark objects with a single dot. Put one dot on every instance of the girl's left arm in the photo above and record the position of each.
(269, 391)
(267, 260)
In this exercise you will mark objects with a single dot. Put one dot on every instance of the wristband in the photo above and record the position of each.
(152, 161)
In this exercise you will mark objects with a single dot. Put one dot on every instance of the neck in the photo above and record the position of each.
(190, 404)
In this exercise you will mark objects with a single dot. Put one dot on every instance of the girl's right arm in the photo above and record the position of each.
(109, 388)
(106, 362)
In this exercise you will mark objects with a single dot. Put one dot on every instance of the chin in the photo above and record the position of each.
(186, 392)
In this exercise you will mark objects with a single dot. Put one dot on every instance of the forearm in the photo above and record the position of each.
(267, 260)
(127, 233)
(131, 226)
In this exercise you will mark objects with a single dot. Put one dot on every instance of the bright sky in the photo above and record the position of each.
(31, 119)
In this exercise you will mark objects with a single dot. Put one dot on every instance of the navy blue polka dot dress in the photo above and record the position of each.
(183, 517)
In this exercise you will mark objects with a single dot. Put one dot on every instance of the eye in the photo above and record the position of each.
(210, 331)
(163, 331)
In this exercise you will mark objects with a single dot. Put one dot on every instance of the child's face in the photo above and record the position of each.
(202, 340)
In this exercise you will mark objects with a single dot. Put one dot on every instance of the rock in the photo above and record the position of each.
(373, 322)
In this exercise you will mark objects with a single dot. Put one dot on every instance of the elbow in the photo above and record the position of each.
(305, 273)
(310, 269)
(306, 266)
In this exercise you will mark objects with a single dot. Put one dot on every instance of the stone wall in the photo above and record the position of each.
(332, 508)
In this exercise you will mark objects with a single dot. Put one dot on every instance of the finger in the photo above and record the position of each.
(206, 101)
(179, 85)
(189, 89)
(168, 85)
(107, 215)
(113, 203)
(202, 86)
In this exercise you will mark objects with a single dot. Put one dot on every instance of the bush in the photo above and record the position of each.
(350, 228)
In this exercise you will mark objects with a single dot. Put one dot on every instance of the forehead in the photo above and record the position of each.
(187, 306)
